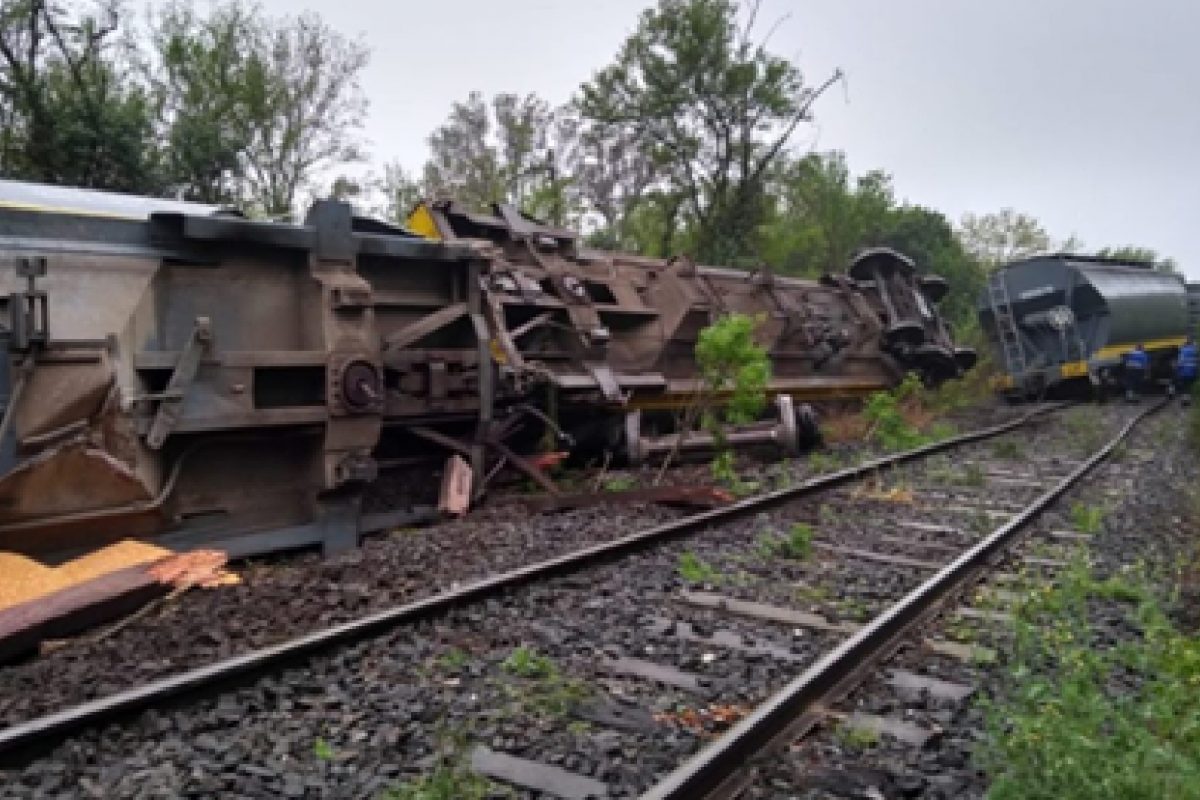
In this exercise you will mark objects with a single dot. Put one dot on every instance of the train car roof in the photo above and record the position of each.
(1082, 260)
(95, 203)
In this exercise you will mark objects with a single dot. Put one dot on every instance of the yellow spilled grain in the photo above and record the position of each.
(108, 559)
(23, 579)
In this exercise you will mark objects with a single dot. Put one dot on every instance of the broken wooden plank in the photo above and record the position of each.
(881, 558)
(658, 673)
(761, 611)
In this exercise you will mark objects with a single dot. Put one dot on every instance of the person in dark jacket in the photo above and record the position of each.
(1136, 364)
(1185, 370)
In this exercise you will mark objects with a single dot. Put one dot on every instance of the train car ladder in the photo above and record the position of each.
(1006, 326)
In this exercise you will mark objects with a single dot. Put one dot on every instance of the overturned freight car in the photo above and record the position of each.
(179, 371)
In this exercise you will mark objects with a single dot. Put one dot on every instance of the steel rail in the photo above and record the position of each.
(23, 741)
(724, 763)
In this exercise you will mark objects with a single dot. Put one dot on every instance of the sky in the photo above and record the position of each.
(1083, 113)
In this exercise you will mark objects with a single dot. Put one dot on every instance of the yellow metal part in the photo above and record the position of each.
(420, 221)
(75, 212)
(1079, 369)
(1116, 350)
(1076, 369)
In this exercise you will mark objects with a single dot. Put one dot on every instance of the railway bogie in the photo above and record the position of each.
(178, 370)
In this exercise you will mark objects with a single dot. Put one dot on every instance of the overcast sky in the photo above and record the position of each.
(1084, 113)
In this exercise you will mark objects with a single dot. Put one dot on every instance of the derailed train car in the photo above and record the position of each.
(1063, 322)
(176, 370)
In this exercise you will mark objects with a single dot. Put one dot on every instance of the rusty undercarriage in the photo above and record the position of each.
(174, 370)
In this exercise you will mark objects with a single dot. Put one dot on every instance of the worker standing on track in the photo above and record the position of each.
(1185, 370)
(1136, 366)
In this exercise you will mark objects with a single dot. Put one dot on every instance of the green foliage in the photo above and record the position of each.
(71, 109)
(888, 428)
(232, 107)
(450, 779)
(693, 570)
(823, 215)
(730, 361)
(1079, 720)
(1143, 255)
(453, 659)
(322, 750)
(853, 737)
(1086, 519)
(1005, 236)
(796, 546)
(543, 688)
(710, 108)
(620, 483)
(528, 663)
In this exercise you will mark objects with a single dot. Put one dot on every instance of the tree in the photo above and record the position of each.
(823, 214)
(928, 238)
(1142, 254)
(208, 74)
(710, 108)
(69, 109)
(999, 238)
(612, 176)
(401, 192)
(512, 150)
(306, 116)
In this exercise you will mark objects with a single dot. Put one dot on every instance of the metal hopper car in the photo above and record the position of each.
(1063, 322)
(174, 370)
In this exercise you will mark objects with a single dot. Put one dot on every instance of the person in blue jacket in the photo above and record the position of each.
(1185, 369)
(1136, 365)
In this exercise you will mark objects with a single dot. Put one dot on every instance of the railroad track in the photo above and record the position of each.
(596, 673)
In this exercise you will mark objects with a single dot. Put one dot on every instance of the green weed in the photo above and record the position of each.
(888, 428)
(453, 659)
(323, 750)
(1061, 730)
(528, 663)
(451, 778)
(1086, 519)
(797, 545)
(620, 483)
(693, 570)
(852, 737)
(544, 689)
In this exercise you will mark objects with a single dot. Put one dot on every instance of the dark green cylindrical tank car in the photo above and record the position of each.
(1064, 320)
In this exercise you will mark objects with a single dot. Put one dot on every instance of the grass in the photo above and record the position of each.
(796, 546)
(541, 687)
(1087, 519)
(322, 750)
(528, 663)
(620, 483)
(453, 659)
(450, 776)
(853, 737)
(1080, 719)
(693, 570)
